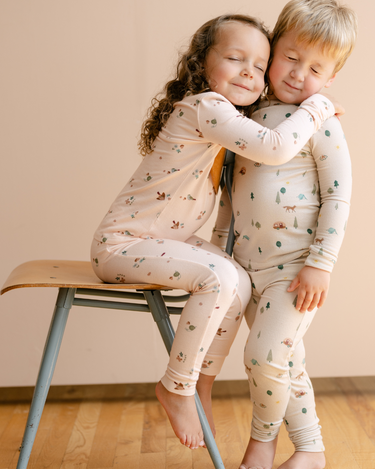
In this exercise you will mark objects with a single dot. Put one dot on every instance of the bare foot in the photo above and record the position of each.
(306, 460)
(183, 415)
(259, 455)
(204, 388)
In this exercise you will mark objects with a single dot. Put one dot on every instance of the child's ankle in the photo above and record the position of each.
(205, 381)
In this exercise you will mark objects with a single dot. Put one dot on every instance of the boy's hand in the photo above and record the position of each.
(313, 288)
(340, 111)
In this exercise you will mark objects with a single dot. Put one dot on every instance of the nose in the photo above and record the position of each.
(297, 73)
(247, 72)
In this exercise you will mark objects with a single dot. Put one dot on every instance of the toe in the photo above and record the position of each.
(188, 441)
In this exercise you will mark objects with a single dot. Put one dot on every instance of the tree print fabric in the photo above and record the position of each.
(144, 236)
(274, 358)
(171, 194)
(220, 290)
(300, 208)
(286, 216)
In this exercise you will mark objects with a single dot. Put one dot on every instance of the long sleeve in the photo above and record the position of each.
(220, 124)
(331, 155)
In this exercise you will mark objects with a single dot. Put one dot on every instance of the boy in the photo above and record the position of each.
(289, 225)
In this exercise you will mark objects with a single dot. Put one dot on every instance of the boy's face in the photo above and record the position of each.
(297, 70)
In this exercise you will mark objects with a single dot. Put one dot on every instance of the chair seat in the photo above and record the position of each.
(64, 274)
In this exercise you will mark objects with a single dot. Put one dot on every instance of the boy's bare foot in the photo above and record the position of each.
(306, 460)
(204, 388)
(183, 415)
(259, 455)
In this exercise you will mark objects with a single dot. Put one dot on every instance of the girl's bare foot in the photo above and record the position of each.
(204, 388)
(183, 415)
(259, 454)
(306, 460)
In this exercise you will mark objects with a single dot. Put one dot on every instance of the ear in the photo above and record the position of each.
(330, 81)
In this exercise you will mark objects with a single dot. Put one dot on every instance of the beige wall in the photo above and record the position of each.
(76, 79)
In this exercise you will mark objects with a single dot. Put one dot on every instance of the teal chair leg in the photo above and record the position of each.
(160, 314)
(47, 367)
(51, 350)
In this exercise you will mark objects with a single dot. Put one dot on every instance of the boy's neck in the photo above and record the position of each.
(273, 97)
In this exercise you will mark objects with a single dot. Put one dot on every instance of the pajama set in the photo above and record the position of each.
(286, 217)
(147, 236)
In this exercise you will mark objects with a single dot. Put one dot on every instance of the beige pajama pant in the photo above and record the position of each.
(220, 290)
(274, 358)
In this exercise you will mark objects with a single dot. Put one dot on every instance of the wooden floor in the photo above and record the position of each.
(123, 426)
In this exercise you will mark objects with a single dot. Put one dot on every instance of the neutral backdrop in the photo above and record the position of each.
(76, 79)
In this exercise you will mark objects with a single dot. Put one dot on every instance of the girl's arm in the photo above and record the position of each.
(219, 122)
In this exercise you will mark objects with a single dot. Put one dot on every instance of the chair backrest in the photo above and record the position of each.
(226, 180)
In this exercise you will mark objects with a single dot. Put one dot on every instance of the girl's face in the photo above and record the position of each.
(236, 64)
(297, 71)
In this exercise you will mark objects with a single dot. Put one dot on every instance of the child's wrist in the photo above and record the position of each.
(319, 107)
(318, 268)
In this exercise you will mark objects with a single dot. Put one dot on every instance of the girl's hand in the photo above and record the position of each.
(313, 285)
(340, 111)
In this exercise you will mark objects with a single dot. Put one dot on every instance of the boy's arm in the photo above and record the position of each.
(332, 158)
(221, 229)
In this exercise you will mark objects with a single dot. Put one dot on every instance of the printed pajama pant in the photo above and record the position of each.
(220, 290)
(274, 358)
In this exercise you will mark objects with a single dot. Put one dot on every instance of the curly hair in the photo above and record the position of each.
(190, 77)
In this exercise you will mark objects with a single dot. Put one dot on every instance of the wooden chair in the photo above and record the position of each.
(75, 280)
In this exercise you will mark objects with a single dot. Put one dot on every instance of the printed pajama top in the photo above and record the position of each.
(170, 195)
(291, 210)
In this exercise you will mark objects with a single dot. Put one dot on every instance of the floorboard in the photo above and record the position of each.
(124, 426)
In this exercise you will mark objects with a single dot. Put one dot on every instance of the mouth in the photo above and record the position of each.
(242, 86)
(291, 87)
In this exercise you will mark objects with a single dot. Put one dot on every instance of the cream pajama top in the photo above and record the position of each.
(291, 210)
(170, 195)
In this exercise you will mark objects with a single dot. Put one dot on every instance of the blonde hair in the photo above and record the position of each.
(323, 22)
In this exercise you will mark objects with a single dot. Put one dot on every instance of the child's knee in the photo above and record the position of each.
(273, 362)
(244, 287)
(228, 277)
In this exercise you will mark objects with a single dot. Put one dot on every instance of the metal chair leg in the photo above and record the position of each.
(160, 314)
(51, 350)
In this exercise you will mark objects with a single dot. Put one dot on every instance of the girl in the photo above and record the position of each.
(147, 235)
